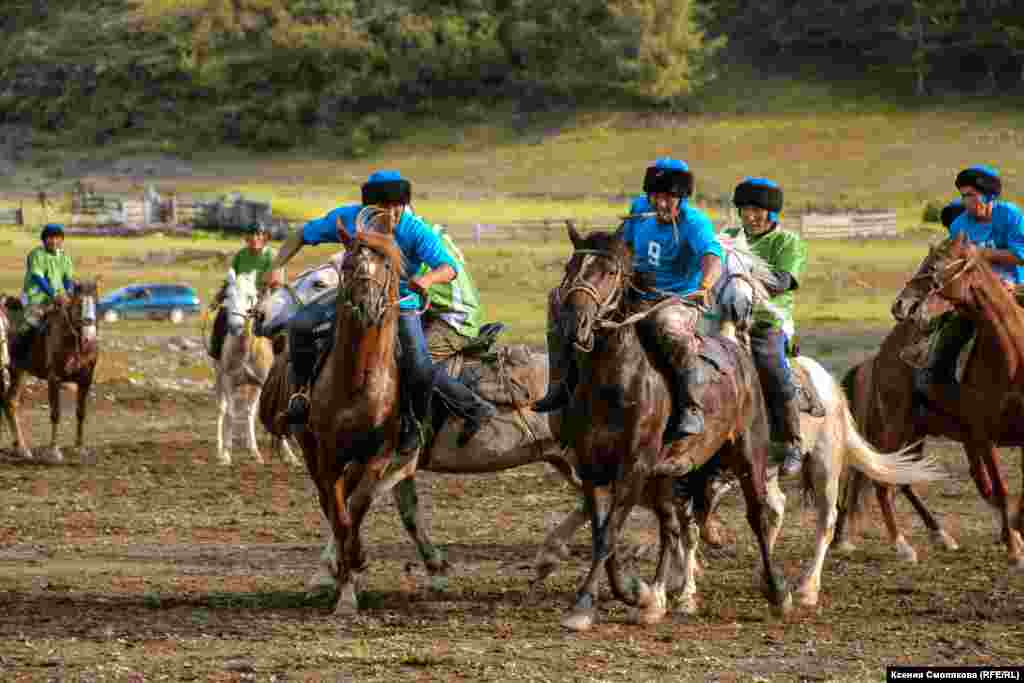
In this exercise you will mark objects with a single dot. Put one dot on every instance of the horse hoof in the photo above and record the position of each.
(647, 617)
(348, 603)
(687, 605)
(258, 458)
(906, 552)
(784, 607)
(579, 620)
(545, 565)
(23, 453)
(808, 598)
(52, 456)
(322, 581)
(948, 542)
(86, 456)
(224, 458)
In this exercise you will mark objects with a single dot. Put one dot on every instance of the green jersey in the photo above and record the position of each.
(456, 302)
(53, 268)
(247, 262)
(784, 251)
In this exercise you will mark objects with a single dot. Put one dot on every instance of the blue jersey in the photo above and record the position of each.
(418, 242)
(1004, 231)
(675, 264)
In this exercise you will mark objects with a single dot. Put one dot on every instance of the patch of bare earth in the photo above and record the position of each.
(156, 564)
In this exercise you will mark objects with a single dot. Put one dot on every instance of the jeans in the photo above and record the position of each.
(768, 347)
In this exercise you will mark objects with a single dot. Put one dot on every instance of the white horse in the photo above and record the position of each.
(832, 442)
(244, 361)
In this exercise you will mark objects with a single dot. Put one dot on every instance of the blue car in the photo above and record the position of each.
(152, 302)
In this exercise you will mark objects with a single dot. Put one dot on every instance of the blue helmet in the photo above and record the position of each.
(386, 186)
(669, 175)
(51, 229)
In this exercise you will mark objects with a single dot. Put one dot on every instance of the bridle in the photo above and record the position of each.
(936, 277)
(606, 306)
(377, 306)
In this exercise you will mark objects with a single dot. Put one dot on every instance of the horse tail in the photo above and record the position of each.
(895, 469)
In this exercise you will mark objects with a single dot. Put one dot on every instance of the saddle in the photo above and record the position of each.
(502, 375)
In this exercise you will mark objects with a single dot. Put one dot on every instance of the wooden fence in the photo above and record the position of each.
(809, 225)
(848, 225)
(15, 216)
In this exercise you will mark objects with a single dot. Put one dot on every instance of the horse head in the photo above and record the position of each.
(370, 273)
(739, 288)
(81, 311)
(940, 284)
(240, 299)
(277, 307)
(596, 279)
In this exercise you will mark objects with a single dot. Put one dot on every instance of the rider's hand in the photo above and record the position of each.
(61, 299)
(274, 280)
(416, 285)
(701, 297)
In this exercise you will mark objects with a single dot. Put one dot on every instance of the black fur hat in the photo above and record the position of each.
(671, 178)
(982, 178)
(386, 186)
(760, 193)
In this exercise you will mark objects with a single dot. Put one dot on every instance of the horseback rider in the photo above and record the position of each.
(255, 257)
(759, 202)
(676, 245)
(49, 279)
(389, 192)
(997, 228)
(453, 321)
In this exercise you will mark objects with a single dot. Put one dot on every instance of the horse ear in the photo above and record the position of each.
(574, 235)
(343, 235)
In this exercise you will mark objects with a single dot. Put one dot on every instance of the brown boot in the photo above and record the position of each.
(792, 441)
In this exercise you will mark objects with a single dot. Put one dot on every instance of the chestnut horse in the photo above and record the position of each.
(626, 404)
(350, 445)
(66, 353)
(984, 410)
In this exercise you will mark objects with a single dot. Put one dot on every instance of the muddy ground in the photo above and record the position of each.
(156, 564)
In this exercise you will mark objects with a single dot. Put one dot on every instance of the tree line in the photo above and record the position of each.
(273, 73)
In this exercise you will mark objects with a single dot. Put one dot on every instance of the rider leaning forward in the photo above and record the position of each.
(257, 258)
(759, 202)
(390, 194)
(997, 228)
(675, 245)
(49, 279)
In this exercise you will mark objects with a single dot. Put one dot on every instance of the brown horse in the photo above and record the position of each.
(350, 445)
(983, 412)
(66, 353)
(626, 404)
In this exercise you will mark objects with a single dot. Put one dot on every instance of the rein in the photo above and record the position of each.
(935, 275)
(378, 304)
(607, 307)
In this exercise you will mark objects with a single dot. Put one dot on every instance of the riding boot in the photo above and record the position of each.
(792, 441)
(689, 381)
(465, 403)
(563, 376)
(940, 370)
(300, 371)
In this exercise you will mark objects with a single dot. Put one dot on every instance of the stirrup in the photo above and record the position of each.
(298, 408)
(793, 463)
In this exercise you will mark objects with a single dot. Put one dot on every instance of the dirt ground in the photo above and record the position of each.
(154, 563)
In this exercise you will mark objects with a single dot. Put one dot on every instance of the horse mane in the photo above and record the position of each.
(614, 244)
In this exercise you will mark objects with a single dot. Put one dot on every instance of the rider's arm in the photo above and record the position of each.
(428, 248)
(711, 270)
(43, 284)
(787, 264)
(289, 248)
(1013, 254)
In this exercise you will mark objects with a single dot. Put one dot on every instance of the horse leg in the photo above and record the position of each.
(225, 416)
(252, 413)
(886, 498)
(341, 521)
(85, 455)
(555, 547)
(11, 401)
(849, 510)
(670, 536)
(1020, 510)
(407, 502)
(983, 482)
(598, 501)
(755, 495)
(825, 470)
(938, 535)
(685, 556)
(988, 454)
(52, 454)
